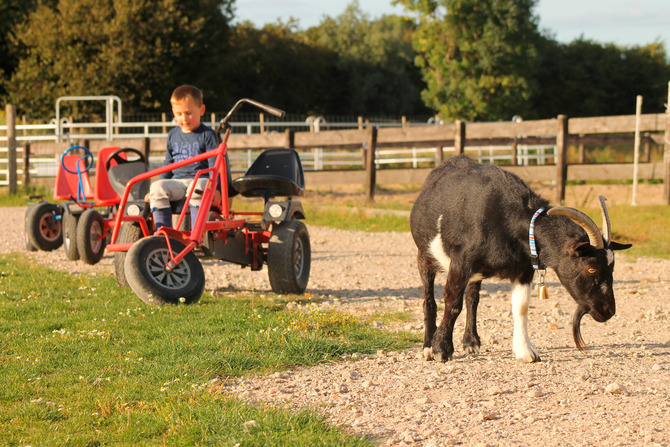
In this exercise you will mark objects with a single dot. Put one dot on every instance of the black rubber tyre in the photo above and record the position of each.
(145, 272)
(70, 222)
(91, 237)
(29, 245)
(289, 257)
(129, 232)
(44, 227)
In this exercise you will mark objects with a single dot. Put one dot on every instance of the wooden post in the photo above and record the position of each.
(261, 119)
(561, 157)
(11, 147)
(666, 160)
(290, 138)
(147, 148)
(582, 151)
(164, 119)
(440, 155)
(646, 149)
(459, 138)
(370, 167)
(26, 165)
(515, 144)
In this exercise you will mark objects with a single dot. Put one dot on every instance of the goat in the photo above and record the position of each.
(472, 222)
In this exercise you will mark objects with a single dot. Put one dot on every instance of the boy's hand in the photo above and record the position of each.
(146, 198)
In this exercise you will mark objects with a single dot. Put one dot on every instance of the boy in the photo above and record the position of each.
(188, 139)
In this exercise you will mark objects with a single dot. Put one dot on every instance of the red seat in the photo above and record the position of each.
(67, 184)
(105, 195)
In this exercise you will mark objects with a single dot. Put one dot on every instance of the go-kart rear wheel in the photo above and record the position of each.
(129, 232)
(289, 257)
(29, 245)
(146, 274)
(90, 237)
(70, 222)
(44, 227)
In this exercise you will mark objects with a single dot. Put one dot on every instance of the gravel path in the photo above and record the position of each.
(617, 393)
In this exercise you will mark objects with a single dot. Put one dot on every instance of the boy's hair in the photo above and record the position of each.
(186, 93)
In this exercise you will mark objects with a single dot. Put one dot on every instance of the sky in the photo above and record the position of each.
(623, 22)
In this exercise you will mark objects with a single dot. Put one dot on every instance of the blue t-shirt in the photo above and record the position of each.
(181, 146)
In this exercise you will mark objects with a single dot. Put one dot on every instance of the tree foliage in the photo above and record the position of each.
(378, 60)
(475, 56)
(137, 49)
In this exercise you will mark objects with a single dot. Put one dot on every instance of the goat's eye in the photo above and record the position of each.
(591, 271)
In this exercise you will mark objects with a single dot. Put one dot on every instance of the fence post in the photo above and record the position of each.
(26, 165)
(290, 138)
(459, 138)
(561, 157)
(666, 159)
(11, 147)
(370, 165)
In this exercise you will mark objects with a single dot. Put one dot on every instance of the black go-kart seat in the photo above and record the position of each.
(276, 172)
(121, 173)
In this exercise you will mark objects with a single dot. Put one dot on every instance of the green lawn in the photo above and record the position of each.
(83, 362)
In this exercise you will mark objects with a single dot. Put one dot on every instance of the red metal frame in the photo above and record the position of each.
(193, 239)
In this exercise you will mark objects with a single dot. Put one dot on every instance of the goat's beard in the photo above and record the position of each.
(576, 330)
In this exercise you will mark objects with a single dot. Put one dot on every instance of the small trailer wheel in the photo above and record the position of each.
(146, 273)
(44, 227)
(70, 222)
(289, 257)
(90, 236)
(129, 232)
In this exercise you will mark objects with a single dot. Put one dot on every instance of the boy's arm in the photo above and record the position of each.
(168, 159)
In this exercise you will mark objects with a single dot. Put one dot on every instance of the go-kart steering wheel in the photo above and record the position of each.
(87, 156)
(116, 156)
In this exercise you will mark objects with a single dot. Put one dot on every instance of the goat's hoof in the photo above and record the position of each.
(441, 356)
(428, 353)
(530, 356)
(472, 349)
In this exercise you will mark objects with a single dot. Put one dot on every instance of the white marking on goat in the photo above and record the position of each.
(437, 249)
(521, 346)
(610, 256)
(428, 353)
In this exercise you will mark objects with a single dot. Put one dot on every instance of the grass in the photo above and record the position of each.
(83, 362)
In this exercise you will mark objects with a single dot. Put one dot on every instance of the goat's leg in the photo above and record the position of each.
(522, 349)
(471, 341)
(443, 343)
(427, 273)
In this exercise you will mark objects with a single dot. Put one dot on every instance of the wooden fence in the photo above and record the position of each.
(449, 139)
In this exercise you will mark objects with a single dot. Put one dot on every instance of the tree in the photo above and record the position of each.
(377, 58)
(476, 56)
(136, 49)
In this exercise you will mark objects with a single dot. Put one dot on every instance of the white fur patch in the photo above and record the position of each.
(610, 256)
(437, 250)
(521, 346)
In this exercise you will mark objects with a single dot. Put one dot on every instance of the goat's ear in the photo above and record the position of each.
(579, 248)
(617, 246)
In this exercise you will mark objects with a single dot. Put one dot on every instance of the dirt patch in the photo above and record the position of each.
(616, 393)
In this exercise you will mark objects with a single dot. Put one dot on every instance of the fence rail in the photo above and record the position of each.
(357, 151)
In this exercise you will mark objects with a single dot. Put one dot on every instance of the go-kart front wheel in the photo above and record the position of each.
(90, 237)
(43, 226)
(289, 257)
(146, 273)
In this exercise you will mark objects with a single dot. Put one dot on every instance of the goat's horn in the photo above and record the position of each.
(584, 221)
(607, 230)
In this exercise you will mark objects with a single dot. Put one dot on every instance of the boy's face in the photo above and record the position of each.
(187, 115)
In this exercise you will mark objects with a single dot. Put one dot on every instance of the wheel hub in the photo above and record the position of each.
(172, 278)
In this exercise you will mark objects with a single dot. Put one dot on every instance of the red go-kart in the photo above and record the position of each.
(165, 267)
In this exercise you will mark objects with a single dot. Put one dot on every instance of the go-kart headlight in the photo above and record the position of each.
(275, 210)
(133, 210)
